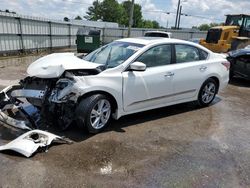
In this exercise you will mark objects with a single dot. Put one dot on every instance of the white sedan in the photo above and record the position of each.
(124, 77)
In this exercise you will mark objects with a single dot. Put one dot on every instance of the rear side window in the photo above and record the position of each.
(186, 53)
(156, 56)
(203, 55)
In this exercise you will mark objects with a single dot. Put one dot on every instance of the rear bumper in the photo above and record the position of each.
(224, 83)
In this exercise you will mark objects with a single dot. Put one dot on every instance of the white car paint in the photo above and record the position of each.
(136, 91)
(29, 142)
(54, 65)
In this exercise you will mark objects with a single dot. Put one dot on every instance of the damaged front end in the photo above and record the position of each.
(54, 99)
(47, 97)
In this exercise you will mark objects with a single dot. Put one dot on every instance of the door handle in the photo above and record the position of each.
(169, 74)
(203, 68)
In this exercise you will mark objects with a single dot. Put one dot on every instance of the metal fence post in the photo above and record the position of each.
(21, 33)
(50, 35)
(69, 35)
(103, 36)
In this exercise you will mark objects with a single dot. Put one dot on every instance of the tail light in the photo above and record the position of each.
(226, 64)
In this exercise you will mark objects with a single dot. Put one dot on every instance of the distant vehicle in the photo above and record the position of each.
(233, 35)
(240, 63)
(158, 34)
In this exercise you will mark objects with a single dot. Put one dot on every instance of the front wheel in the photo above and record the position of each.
(207, 92)
(94, 113)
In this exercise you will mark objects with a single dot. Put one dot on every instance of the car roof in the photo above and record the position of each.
(151, 40)
(239, 52)
(165, 32)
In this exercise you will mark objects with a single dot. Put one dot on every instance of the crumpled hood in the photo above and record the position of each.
(54, 65)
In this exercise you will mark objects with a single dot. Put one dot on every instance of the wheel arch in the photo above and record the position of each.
(110, 96)
(217, 81)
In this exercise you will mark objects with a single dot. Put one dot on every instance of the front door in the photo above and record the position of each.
(150, 88)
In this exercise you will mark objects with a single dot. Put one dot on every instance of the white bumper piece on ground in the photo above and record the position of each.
(28, 143)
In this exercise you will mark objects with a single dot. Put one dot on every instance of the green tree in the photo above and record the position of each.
(156, 25)
(94, 12)
(78, 18)
(107, 10)
(206, 27)
(147, 24)
(66, 19)
(112, 11)
(151, 24)
(137, 18)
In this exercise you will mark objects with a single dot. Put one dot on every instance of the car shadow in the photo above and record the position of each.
(240, 82)
(77, 135)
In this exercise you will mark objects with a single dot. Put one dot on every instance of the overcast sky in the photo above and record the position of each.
(199, 11)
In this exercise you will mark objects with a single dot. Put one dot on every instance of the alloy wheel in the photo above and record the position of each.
(208, 92)
(100, 114)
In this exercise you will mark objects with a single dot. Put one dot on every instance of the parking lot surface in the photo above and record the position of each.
(176, 146)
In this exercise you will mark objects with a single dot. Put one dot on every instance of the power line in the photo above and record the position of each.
(183, 14)
(76, 2)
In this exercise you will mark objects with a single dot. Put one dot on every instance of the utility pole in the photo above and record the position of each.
(167, 17)
(131, 17)
(179, 19)
(177, 13)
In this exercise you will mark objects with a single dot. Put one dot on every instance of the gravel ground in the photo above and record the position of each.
(176, 146)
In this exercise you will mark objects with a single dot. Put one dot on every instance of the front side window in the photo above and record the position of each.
(186, 53)
(156, 56)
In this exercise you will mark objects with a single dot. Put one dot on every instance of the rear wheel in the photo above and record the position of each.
(94, 113)
(207, 92)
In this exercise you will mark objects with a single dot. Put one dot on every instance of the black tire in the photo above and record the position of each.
(85, 113)
(205, 94)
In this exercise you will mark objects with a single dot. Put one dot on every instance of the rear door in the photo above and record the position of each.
(190, 71)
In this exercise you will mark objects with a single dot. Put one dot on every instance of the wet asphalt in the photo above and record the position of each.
(176, 146)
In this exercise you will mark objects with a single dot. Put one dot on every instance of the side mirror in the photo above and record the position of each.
(137, 66)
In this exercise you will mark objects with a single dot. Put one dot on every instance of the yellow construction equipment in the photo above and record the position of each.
(234, 34)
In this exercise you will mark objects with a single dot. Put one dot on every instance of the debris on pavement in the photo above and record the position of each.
(28, 143)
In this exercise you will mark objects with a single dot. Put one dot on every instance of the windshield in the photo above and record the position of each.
(113, 54)
(234, 20)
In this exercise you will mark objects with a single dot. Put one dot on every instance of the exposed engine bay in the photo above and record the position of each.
(53, 87)
(54, 99)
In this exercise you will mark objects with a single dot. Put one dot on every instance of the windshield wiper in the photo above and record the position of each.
(95, 55)
(108, 59)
